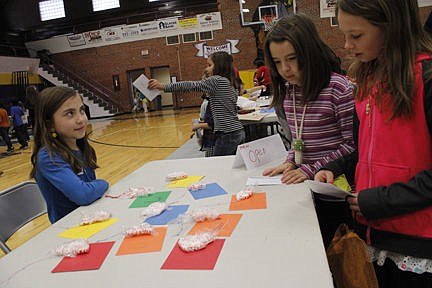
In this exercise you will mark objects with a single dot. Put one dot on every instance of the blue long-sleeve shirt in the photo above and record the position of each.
(63, 190)
(16, 113)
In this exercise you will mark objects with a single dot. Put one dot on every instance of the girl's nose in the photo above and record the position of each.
(285, 67)
(81, 117)
(348, 45)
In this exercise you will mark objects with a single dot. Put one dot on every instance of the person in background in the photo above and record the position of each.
(25, 120)
(63, 160)
(222, 94)
(262, 77)
(392, 169)
(30, 100)
(4, 128)
(20, 129)
(205, 124)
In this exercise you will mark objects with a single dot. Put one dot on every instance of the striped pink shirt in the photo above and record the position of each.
(328, 124)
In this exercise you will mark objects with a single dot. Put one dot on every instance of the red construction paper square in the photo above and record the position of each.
(90, 261)
(204, 259)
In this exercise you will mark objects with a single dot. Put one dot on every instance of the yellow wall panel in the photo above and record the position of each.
(6, 79)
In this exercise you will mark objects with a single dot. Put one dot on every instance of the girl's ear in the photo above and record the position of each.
(50, 126)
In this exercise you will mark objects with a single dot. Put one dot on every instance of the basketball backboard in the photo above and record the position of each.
(253, 12)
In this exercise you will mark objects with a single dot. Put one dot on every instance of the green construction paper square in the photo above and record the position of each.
(144, 201)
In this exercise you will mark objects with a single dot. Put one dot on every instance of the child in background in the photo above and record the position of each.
(222, 94)
(4, 128)
(317, 101)
(262, 77)
(20, 128)
(393, 166)
(63, 160)
(206, 124)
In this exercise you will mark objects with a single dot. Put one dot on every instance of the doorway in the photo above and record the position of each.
(162, 74)
(132, 76)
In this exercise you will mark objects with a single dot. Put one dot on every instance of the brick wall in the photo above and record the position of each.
(102, 62)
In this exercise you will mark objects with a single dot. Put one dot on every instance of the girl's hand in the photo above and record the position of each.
(353, 204)
(293, 176)
(155, 84)
(278, 169)
(324, 176)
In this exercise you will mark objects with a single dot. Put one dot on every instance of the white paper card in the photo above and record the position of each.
(141, 84)
(259, 152)
(327, 189)
(264, 180)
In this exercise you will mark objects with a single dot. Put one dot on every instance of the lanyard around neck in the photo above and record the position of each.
(298, 132)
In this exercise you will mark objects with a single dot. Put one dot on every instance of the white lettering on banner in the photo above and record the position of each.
(259, 152)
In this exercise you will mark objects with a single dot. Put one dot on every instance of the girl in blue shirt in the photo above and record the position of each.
(63, 160)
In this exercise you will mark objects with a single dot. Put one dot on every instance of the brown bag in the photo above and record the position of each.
(349, 260)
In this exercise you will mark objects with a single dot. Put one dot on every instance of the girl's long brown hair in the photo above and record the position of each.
(47, 103)
(404, 37)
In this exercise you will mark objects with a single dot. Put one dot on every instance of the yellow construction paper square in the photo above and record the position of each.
(183, 183)
(86, 231)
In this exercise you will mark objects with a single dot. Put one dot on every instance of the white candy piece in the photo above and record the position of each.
(139, 191)
(97, 216)
(244, 194)
(202, 214)
(142, 229)
(196, 242)
(73, 248)
(154, 209)
(196, 187)
(176, 176)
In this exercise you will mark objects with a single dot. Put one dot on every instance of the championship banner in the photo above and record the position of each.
(205, 51)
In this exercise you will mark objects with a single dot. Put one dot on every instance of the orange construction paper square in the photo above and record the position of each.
(226, 223)
(143, 243)
(257, 201)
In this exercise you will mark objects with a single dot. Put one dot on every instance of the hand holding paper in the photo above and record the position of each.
(142, 84)
(155, 84)
(340, 188)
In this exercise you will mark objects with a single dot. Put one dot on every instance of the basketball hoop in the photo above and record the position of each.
(269, 21)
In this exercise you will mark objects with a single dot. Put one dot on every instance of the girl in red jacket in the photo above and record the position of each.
(393, 167)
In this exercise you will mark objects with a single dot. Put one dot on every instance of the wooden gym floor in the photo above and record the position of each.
(122, 144)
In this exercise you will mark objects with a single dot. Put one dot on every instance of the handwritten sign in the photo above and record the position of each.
(259, 152)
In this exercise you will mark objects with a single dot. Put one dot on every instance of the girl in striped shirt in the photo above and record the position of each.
(222, 95)
(317, 101)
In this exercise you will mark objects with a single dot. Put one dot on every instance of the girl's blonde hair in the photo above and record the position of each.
(404, 38)
(48, 102)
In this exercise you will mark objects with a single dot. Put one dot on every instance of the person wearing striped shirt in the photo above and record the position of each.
(318, 102)
(222, 95)
(319, 106)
